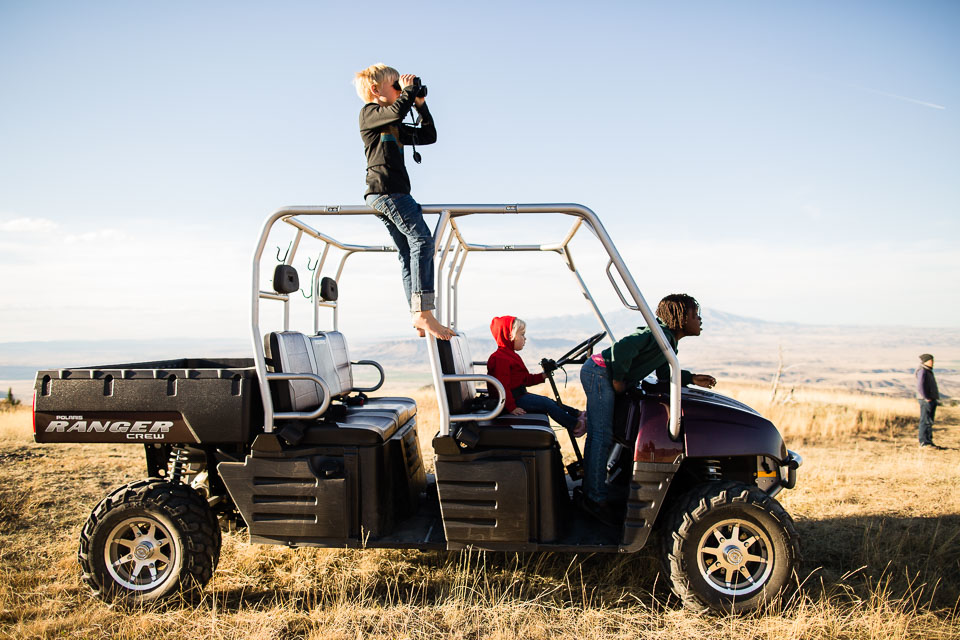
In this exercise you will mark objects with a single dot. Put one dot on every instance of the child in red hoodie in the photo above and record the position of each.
(506, 366)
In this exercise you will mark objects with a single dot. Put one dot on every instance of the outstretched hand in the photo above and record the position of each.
(702, 380)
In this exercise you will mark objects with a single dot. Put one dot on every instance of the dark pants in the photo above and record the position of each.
(600, 400)
(563, 415)
(928, 409)
(403, 218)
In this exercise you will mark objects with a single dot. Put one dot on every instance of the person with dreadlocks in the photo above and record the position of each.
(622, 367)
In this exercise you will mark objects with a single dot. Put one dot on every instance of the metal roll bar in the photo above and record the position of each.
(448, 215)
(443, 406)
(302, 415)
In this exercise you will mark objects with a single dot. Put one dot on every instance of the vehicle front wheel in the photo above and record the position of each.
(729, 547)
(147, 540)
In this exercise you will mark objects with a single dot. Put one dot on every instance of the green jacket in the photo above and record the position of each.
(636, 356)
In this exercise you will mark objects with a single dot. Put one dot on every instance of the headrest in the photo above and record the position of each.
(328, 289)
(285, 279)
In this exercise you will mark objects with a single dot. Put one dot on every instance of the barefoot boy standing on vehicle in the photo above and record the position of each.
(388, 98)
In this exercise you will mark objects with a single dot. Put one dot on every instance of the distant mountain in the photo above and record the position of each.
(879, 359)
(80, 353)
(625, 321)
(731, 346)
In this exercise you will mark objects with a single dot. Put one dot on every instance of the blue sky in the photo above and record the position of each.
(787, 161)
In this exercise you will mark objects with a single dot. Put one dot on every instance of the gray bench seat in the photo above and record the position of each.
(326, 355)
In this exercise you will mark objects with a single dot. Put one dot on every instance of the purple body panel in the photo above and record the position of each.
(713, 427)
(653, 441)
(715, 431)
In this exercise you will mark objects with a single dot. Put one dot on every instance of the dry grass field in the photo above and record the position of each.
(879, 521)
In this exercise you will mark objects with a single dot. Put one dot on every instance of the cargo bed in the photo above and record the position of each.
(186, 400)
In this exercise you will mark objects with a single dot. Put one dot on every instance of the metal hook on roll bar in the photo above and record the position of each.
(284, 258)
(315, 264)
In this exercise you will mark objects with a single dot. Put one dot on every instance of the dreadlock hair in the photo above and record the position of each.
(673, 309)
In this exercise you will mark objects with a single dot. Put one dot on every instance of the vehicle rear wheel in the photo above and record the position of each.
(730, 547)
(147, 540)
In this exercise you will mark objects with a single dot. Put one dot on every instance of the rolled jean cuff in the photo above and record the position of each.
(423, 301)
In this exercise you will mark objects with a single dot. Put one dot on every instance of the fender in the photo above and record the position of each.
(713, 427)
(716, 431)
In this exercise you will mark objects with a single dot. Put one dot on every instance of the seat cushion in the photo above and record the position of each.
(505, 433)
(354, 430)
(509, 420)
(402, 409)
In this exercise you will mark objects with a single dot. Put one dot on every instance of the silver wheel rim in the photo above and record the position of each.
(141, 553)
(735, 557)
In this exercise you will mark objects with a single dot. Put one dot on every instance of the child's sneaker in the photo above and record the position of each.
(581, 426)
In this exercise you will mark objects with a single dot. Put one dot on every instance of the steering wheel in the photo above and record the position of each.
(581, 350)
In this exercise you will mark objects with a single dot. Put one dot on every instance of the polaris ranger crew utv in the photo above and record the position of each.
(286, 445)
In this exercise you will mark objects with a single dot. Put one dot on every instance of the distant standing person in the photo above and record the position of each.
(388, 98)
(929, 397)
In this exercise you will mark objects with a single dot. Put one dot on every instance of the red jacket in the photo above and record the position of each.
(505, 363)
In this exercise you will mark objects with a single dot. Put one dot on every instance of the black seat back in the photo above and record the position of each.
(291, 352)
(455, 358)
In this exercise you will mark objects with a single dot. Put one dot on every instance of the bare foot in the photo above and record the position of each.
(424, 321)
(421, 332)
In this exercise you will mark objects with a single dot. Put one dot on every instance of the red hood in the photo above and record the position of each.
(501, 327)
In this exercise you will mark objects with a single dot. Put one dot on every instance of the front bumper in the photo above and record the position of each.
(788, 470)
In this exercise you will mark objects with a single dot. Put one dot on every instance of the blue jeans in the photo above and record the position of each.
(600, 398)
(563, 415)
(928, 411)
(403, 218)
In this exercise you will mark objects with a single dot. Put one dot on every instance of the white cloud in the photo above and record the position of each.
(28, 225)
(94, 236)
(84, 283)
(194, 280)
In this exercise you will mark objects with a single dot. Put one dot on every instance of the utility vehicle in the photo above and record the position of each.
(286, 445)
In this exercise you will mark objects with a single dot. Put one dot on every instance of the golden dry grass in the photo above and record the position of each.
(879, 521)
(810, 415)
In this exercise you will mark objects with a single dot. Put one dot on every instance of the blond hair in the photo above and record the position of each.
(372, 76)
(517, 326)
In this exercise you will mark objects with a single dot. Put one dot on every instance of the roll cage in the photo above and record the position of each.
(451, 252)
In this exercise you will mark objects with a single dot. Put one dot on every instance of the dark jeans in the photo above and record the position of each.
(928, 410)
(403, 218)
(563, 415)
(600, 399)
